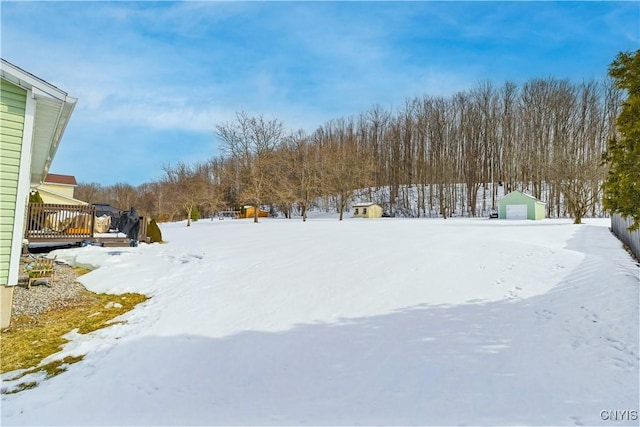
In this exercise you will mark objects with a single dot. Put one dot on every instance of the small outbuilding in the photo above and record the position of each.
(249, 212)
(367, 210)
(518, 205)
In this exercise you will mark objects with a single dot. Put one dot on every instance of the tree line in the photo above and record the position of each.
(433, 156)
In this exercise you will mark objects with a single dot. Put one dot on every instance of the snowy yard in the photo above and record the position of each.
(389, 321)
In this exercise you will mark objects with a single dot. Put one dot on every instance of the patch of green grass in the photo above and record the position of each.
(22, 387)
(58, 366)
(81, 270)
(30, 340)
(52, 369)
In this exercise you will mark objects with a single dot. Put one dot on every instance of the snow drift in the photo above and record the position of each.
(389, 321)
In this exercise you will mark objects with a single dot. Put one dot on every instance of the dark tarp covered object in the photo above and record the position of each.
(130, 224)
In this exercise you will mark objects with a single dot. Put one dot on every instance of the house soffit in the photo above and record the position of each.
(52, 112)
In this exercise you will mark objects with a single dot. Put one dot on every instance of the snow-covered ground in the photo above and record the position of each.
(374, 322)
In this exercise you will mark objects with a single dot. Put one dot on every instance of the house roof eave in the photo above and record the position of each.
(46, 143)
(53, 111)
(62, 196)
(26, 80)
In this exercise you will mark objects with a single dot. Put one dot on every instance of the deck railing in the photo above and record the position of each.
(46, 222)
(142, 234)
(67, 223)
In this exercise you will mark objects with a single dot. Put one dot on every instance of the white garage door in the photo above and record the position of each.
(516, 211)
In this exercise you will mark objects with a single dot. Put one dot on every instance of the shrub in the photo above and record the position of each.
(195, 214)
(153, 232)
(35, 197)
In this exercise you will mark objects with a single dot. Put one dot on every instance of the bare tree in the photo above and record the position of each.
(298, 174)
(90, 192)
(146, 200)
(347, 165)
(581, 170)
(124, 195)
(251, 143)
(188, 187)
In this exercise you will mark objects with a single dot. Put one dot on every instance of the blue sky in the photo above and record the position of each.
(154, 78)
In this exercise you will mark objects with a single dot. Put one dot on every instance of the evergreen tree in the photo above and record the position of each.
(195, 214)
(622, 186)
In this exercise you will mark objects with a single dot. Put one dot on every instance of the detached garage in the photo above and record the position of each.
(518, 205)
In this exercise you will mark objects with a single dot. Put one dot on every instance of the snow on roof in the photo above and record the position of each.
(363, 204)
(527, 195)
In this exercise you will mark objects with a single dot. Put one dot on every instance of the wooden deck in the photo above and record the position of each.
(71, 224)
